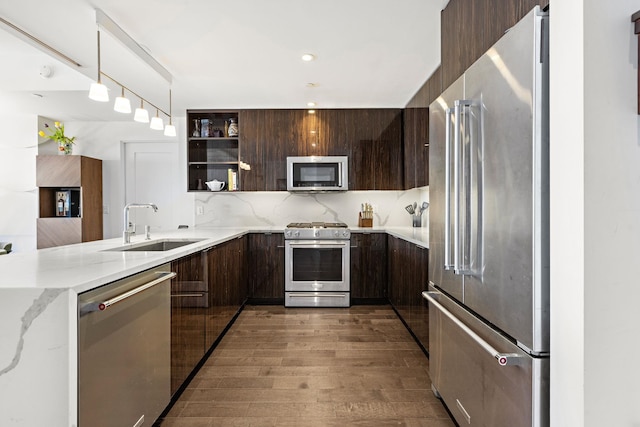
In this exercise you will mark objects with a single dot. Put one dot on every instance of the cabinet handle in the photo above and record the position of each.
(200, 295)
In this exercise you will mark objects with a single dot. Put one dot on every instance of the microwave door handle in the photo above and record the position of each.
(447, 190)
(340, 175)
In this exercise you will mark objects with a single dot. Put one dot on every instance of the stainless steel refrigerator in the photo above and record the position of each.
(489, 234)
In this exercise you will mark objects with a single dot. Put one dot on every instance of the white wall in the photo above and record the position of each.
(18, 192)
(104, 140)
(595, 209)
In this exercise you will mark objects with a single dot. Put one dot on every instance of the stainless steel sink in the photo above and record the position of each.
(156, 245)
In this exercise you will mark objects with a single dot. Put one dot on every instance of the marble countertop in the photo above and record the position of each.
(85, 266)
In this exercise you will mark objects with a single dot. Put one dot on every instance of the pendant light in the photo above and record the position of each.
(122, 104)
(156, 122)
(98, 91)
(170, 129)
(141, 115)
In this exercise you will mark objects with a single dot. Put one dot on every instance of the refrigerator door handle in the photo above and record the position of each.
(447, 191)
(456, 187)
(503, 359)
(464, 168)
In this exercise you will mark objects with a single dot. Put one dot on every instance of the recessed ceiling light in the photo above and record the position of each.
(311, 104)
(312, 84)
(308, 57)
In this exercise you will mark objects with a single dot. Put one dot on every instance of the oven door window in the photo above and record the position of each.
(316, 174)
(317, 264)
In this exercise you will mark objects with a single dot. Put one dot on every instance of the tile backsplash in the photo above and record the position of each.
(277, 208)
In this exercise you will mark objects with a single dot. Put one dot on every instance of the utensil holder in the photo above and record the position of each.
(417, 220)
(364, 222)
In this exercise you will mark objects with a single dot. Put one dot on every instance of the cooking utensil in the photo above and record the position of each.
(410, 209)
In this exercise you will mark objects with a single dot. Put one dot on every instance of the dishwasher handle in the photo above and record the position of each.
(503, 359)
(103, 305)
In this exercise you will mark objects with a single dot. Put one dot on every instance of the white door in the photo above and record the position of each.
(151, 176)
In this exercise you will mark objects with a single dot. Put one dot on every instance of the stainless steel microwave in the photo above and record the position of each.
(317, 173)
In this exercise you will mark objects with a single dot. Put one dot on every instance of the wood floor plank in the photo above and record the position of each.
(279, 367)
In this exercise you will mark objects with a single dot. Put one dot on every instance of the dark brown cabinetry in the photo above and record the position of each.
(266, 268)
(371, 138)
(469, 28)
(368, 268)
(418, 308)
(79, 180)
(213, 152)
(189, 306)
(416, 147)
(226, 267)
(408, 266)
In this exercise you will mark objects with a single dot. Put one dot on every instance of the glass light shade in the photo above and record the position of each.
(99, 92)
(156, 123)
(169, 130)
(141, 115)
(122, 105)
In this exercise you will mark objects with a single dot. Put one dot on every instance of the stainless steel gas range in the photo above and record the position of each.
(317, 265)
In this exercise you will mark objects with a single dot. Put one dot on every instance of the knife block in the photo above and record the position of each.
(364, 222)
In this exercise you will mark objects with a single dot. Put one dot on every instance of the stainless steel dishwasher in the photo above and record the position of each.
(124, 350)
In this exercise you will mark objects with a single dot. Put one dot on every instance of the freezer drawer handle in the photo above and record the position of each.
(108, 303)
(503, 359)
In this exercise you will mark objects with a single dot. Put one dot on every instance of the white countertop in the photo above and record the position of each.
(84, 266)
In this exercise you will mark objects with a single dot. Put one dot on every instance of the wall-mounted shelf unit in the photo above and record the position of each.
(70, 200)
(213, 149)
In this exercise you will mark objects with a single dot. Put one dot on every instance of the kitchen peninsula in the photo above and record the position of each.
(38, 312)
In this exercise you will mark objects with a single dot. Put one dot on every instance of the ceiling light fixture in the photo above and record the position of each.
(122, 104)
(141, 115)
(311, 111)
(170, 129)
(308, 57)
(98, 91)
(156, 122)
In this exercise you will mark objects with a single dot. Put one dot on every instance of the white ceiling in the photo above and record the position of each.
(221, 54)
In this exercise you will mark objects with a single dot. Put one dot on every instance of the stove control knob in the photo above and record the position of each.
(336, 233)
(316, 233)
(345, 233)
(296, 233)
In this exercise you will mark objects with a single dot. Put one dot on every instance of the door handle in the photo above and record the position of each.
(503, 359)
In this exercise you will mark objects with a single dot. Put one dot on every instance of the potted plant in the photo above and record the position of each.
(57, 134)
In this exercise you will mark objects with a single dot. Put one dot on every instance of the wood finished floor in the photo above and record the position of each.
(312, 367)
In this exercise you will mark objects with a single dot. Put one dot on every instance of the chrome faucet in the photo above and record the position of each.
(129, 228)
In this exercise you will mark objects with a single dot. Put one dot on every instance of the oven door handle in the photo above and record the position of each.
(315, 295)
(319, 243)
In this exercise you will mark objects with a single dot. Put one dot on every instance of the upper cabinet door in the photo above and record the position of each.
(371, 138)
